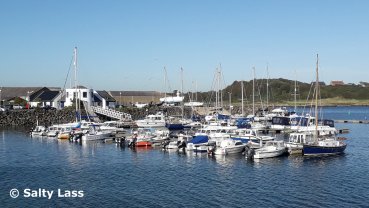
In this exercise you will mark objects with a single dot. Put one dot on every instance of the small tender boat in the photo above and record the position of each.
(270, 149)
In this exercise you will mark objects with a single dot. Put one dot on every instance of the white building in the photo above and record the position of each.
(81, 93)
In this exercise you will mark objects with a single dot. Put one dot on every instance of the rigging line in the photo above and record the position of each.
(66, 79)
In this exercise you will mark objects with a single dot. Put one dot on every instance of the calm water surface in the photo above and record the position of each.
(112, 176)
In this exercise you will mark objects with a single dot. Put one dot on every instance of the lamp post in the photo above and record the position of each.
(28, 98)
(1, 102)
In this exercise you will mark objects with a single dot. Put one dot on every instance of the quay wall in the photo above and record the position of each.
(47, 117)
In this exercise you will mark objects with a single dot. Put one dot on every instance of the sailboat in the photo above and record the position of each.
(322, 145)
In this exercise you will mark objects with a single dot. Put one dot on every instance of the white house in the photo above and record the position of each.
(81, 93)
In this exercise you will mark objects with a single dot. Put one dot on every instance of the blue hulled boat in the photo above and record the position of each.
(325, 147)
(322, 145)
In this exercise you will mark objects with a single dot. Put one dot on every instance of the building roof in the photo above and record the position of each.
(11, 92)
(337, 82)
(46, 96)
(104, 94)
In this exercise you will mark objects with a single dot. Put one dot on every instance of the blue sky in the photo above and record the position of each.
(124, 45)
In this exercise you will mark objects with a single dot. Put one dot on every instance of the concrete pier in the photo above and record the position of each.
(353, 121)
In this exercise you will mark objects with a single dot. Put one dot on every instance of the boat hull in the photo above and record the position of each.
(269, 154)
(143, 144)
(174, 126)
(229, 150)
(95, 137)
(150, 124)
(323, 150)
(64, 136)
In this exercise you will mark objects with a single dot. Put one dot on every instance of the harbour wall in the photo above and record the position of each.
(47, 117)
(29, 117)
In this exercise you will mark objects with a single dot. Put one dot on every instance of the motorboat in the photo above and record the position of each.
(270, 149)
(199, 143)
(65, 132)
(157, 120)
(39, 131)
(228, 146)
(95, 133)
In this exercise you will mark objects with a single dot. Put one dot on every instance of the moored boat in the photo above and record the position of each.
(270, 149)
(322, 144)
(157, 120)
(228, 146)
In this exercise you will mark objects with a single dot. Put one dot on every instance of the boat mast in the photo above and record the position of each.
(242, 97)
(165, 83)
(295, 91)
(75, 81)
(220, 90)
(253, 92)
(267, 98)
(316, 97)
(196, 90)
(182, 106)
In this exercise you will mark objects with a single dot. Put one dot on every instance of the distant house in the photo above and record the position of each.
(337, 83)
(90, 97)
(7, 93)
(46, 97)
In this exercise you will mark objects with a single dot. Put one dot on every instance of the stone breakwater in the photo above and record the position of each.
(29, 117)
(49, 117)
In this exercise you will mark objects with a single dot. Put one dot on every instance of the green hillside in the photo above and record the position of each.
(281, 91)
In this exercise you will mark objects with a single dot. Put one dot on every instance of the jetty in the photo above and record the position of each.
(353, 121)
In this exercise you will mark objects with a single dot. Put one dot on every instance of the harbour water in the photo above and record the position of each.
(113, 176)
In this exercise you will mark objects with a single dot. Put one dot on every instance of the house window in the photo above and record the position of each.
(84, 94)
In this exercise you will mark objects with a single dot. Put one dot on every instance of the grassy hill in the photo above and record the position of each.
(281, 92)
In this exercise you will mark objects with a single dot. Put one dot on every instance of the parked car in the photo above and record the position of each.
(47, 107)
(17, 106)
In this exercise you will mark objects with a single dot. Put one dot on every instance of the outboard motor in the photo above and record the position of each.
(121, 141)
(211, 150)
(182, 145)
(164, 144)
(249, 153)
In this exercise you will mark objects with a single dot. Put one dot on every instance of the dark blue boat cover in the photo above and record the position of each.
(199, 139)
